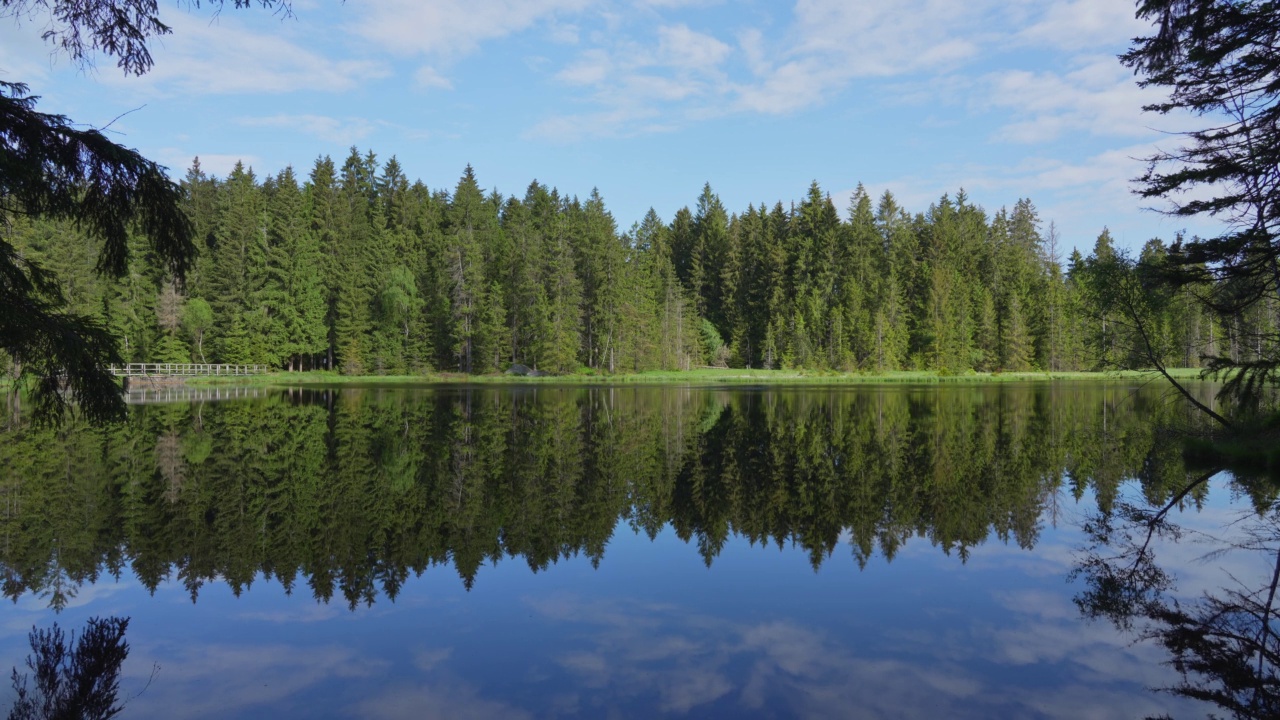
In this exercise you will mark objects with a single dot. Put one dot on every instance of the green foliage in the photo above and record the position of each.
(171, 349)
(361, 271)
(197, 318)
(713, 345)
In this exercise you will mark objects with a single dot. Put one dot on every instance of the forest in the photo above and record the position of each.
(356, 269)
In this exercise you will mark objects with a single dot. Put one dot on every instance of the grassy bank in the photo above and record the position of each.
(689, 377)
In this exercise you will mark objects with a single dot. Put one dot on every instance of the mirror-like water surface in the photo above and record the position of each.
(593, 552)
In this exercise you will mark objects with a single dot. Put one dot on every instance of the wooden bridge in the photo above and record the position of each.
(185, 369)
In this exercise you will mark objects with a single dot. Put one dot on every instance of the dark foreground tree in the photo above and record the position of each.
(48, 168)
(1220, 60)
(75, 679)
(51, 169)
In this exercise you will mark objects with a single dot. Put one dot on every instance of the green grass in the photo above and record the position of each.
(708, 376)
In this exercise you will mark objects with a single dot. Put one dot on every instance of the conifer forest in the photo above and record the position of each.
(355, 268)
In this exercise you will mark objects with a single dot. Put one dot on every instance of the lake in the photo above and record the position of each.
(589, 552)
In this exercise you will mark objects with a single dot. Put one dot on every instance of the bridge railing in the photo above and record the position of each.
(185, 369)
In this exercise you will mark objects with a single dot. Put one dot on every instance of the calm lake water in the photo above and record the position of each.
(575, 552)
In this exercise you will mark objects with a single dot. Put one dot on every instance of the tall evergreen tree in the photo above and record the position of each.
(468, 225)
(240, 228)
(297, 283)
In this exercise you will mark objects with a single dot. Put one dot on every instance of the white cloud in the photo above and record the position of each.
(428, 77)
(563, 33)
(1099, 98)
(686, 50)
(834, 42)
(687, 74)
(338, 131)
(876, 39)
(830, 46)
(671, 4)
(213, 164)
(637, 82)
(225, 57)
(450, 28)
(591, 68)
(620, 122)
(1077, 24)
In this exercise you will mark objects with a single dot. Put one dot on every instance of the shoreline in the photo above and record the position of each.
(691, 377)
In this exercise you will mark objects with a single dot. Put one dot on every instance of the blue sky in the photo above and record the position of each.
(648, 100)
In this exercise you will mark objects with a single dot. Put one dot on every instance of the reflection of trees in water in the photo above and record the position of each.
(1224, 643)
(351, 492)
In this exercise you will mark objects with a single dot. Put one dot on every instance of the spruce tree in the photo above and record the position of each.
(300, 280)
(238, 229)
(865, 282)
(711, 256)
(600, 258)
(462, 263)
(323, 213)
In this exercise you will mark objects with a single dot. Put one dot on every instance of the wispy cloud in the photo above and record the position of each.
(428, 77)
(447, 29)
(344, 131)
(1082, 24)
(1099, 97)
(689, 74)
(213, 164)
(637, 84)
(831, 47)
(220, 680)
(226, 57)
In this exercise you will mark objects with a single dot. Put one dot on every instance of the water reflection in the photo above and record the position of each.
(349, 493)
(1222, 636)
(869, 549)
